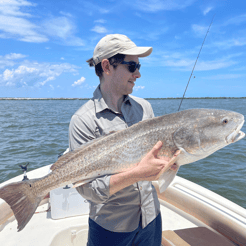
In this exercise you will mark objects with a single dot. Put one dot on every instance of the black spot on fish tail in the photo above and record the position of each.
(22, 200)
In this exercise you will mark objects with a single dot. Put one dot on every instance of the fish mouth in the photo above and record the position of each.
(236, 135)
(239, 136)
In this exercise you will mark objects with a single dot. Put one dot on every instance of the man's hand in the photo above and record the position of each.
(151, 166)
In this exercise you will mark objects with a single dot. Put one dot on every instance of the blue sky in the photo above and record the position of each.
(44, 46)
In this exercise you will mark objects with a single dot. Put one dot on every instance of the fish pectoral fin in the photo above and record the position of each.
(81, 182)
(166, 178)
(168, 175)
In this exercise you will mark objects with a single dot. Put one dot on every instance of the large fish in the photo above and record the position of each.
(197, 133)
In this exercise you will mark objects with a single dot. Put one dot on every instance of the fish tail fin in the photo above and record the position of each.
(166, 178)
(22, 199)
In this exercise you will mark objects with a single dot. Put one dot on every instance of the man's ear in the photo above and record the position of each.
(106, 67)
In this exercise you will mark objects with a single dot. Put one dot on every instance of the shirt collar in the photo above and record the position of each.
(100, 103)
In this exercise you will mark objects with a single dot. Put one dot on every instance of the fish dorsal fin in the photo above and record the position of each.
(68, 156)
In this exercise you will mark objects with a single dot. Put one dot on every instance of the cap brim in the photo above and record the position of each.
(138, 51)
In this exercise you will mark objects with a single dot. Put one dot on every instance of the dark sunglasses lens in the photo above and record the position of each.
(132, 67)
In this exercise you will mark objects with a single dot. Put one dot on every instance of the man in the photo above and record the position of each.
(124, 208)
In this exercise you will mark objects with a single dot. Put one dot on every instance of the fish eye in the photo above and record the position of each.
(225, 121)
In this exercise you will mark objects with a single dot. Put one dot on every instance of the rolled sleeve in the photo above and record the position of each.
(96, 191)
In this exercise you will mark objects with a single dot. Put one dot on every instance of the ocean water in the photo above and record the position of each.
(36, 131)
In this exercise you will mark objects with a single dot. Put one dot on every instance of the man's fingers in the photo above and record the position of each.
(170, 163)
(156, 148)
(174, 158)
(174, 167)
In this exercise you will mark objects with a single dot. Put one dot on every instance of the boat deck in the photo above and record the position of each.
(74, 230)
(191, 215)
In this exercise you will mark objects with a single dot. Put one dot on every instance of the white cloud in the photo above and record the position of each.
(237, 20)
(182, 62)
(241, 68)
(91, 8)
(30, 30)
(34, 74)
(152, 35)
(187, 64)
(229, 43)
(24, 31)
(14, 56)
(48, 79)
(11, 14)
(199, 30)
(9, 60)
(63, 29)
(139, 87)
(12, 7)
(99, 29)
(158, 5)
(6, 63)
(66, 14)
(223, 76)
(60, 27)
(100, 21)
(79, 82)
(7, 74)
(104, 11)
(178, 63)
(207, 10)
(214, 65)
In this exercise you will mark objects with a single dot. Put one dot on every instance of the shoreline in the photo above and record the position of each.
(165, 98)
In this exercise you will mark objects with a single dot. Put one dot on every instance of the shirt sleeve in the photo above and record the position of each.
(96, 191)
(80, 132)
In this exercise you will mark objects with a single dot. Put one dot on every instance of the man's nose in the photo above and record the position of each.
(136, 74)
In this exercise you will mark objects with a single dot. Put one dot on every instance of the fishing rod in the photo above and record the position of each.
(196, 62)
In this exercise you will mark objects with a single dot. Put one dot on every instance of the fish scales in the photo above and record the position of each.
(196, 132)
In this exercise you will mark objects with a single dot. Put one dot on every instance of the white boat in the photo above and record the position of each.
(191, 215)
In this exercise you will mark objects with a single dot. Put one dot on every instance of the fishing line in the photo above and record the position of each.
(195, 62)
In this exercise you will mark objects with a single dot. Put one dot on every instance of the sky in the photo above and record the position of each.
(44, 46)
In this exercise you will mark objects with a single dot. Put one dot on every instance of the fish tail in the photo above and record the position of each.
(22, 199)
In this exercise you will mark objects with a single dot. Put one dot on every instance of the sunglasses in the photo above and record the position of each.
(132, 66)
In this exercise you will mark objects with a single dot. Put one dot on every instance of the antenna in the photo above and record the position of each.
(196, 62)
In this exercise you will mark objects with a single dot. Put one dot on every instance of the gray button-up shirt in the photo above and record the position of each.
(121, 211)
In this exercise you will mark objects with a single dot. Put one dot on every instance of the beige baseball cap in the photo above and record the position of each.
(113, 44)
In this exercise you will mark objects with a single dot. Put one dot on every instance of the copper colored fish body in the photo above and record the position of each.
(196, 132)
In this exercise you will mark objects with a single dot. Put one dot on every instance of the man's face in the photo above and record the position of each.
(123, 80)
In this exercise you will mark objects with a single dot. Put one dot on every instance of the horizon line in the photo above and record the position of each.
(147, 98)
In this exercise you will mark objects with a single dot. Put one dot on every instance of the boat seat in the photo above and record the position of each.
(201, 236)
